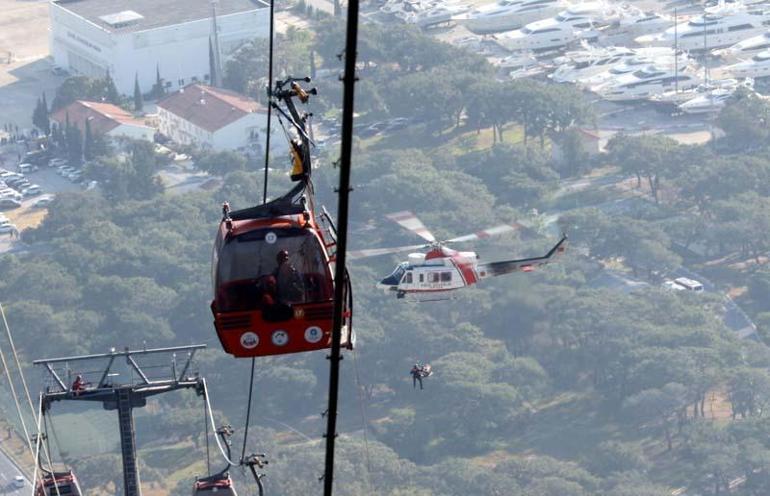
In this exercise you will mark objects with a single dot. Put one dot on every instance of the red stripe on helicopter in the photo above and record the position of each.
(466, 271)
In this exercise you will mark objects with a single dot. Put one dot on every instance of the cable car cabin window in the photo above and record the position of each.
(446, 277)
(249, 276)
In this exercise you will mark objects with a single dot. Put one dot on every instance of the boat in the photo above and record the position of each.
(579, 22)
(711, 30)
(677, 97)
(712, 101)
(746, 48)
(596, 61)
(506, 15)
(755, 67)
(627, 65)
(434, 16)
(634, 22)
(646, 82)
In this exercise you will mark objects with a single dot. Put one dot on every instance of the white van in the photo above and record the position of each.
(689, 284)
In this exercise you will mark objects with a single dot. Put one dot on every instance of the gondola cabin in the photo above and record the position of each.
(219, 485)
(273, 282)
(58, 483)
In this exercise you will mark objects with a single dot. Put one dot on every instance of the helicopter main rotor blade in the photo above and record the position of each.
(486, 233)
(373, 252)
(410, 221)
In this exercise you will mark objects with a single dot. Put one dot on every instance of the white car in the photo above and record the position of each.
(19, 482)
(7, 228)
(64, 170)
(33, 190)
(74, 176)
(43, 202)
(57, 162)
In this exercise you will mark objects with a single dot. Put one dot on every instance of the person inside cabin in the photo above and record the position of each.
(288, 282)
(416, 375)
(268, 292)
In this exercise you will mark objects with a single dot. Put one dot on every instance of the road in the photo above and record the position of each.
(8, 471)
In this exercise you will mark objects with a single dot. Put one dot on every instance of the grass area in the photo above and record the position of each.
(25, 218)
(455, 140)
(15, 447)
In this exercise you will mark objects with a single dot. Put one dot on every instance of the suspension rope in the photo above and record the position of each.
(269, 99)
(36, 454)
(248, 410)
(206, 425)
(214, 428)
(16, 402)
(364, 421)
(18, 364)
(41, 416)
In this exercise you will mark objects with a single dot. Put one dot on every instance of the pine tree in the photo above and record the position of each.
(47, 122)
(87, 150)
(36, 114)
(212, 65)
(110, 90)
(74, 140)
(138, 99)
(158, 90)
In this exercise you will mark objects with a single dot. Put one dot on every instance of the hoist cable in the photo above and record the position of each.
(248, 410)
(269, 98)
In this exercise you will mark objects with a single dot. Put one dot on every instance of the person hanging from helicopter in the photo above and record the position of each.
(288, 282)
(418, 372)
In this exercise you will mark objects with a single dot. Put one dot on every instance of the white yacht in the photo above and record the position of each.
(746, 48)
(634, 22)
(711, 101)
(434, 16)
(711, 30)
(628, 65)
(595, 61)
(509, 14)
(579, 22)
(756, 66)
(677, 97)
(646, 82)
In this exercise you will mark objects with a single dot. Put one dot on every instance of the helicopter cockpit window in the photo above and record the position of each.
(252, 276)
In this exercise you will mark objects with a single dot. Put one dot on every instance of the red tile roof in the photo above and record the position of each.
(104, 116)
(209, 108)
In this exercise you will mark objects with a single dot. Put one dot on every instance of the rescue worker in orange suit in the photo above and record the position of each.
(288, 283)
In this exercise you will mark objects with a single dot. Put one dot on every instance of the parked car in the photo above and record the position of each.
(25, 168)
(5, 173)
(19, 482)
(64, 170)
(9, 203)
(7, 228)
(43, 202)
(57, 162)
(32, 190)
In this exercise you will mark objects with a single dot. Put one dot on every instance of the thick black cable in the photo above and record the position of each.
(248, 411)
(340, 274)
(269, 98)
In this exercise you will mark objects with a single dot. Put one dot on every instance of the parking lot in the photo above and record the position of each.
(25, 71)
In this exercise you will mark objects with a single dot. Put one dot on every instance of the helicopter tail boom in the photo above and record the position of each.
(493, 269)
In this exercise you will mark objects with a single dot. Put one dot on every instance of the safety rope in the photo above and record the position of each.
(364, 421)
(269, 98)
(214, 428)
(248, 410)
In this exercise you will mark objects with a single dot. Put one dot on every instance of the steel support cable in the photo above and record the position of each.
(206, 425)
(214, 427)
(340, 274)
(36, 454)
(269, 98)
(16, 402)
(18, 364)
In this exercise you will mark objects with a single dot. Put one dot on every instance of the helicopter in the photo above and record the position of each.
(273, 263)
(443, 269)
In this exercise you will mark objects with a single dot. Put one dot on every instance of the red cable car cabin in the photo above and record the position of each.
(66, 482)
(273, 280)
(220, 484)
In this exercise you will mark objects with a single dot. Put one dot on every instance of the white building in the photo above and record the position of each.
(103, 118)
(212, 118)
(135, 38)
